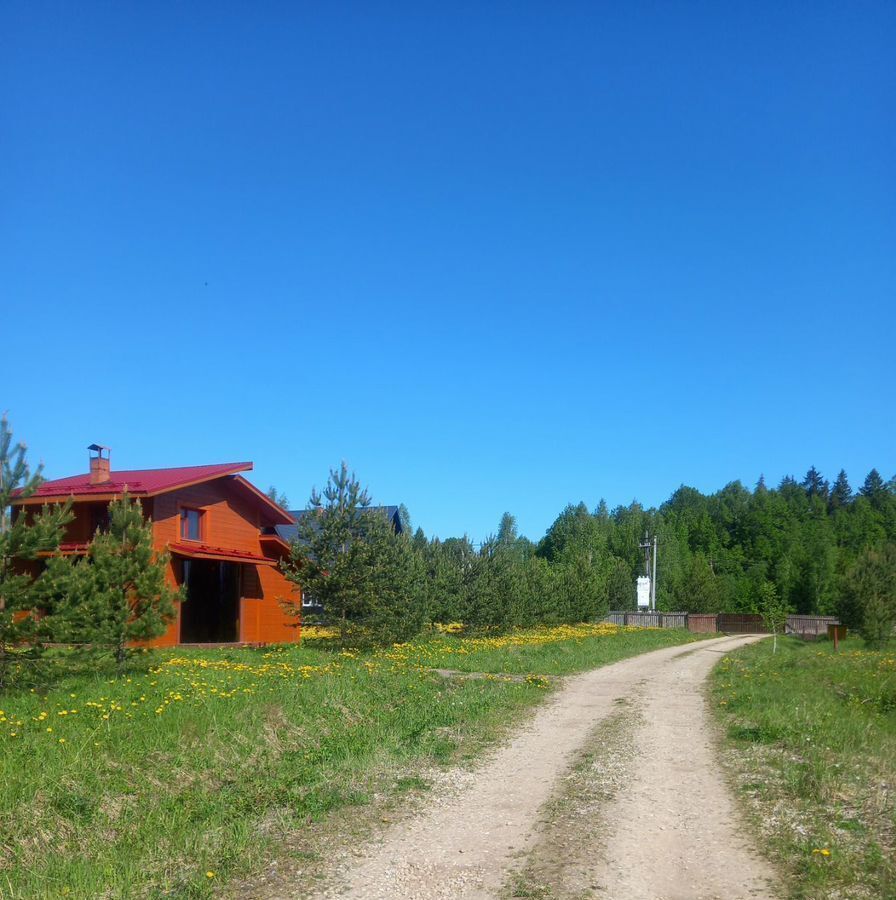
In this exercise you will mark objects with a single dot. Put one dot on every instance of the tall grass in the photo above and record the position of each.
(189, 769)
(812, 736)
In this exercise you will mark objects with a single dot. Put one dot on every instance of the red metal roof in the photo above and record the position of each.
(139, 482)
(71, 548)
(195, 550)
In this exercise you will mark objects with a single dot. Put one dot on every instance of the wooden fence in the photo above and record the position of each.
(810, 626)
(740, 623)
(649, 619)
(724, 623)
(702, 623)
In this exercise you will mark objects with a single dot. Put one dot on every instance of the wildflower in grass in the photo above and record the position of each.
(210, 874)
(822, 851)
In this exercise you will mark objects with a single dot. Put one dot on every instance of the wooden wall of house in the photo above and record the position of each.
(171, 638)
(263, 619)
(232, 521)
(88, 515)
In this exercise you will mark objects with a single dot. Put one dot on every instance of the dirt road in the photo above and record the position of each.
(611, 790)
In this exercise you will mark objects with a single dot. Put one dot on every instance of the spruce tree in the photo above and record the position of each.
(841, 493)
(119, 594)
(507, 530)
(22, 539)
(873, 583)
(874, 488)
(620, 586)
(815, 485)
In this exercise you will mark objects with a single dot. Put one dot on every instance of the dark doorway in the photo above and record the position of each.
(211, 612)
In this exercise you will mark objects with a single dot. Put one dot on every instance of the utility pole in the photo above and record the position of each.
(646, 547)
(649, 548)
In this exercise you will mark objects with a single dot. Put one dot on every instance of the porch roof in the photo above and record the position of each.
(195, 550)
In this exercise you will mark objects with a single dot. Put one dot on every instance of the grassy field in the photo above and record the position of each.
(161, 781)
(812, 743)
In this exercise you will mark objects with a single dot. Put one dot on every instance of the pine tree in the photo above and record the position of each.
(119, 594)
(325, 559)
(397, 608)
(22, 538)
(351, 561)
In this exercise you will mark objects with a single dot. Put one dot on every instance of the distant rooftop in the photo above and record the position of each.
(290, 532)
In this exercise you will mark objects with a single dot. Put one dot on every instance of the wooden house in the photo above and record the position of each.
(220, 530)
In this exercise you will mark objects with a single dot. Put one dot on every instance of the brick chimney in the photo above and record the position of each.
(99, 464)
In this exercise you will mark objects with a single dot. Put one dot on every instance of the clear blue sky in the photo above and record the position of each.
(495, 256)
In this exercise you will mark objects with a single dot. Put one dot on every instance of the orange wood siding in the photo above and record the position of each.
(228, 519)
(231, 520)
(263, 619)
(88, 515)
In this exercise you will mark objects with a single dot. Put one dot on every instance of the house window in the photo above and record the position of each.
(191, 524)
(308, 599)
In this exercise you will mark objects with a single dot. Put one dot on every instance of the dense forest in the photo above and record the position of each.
(716, 553)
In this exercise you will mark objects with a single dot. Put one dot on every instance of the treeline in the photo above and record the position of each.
(717, 552)
(804, 547)
(807, 547)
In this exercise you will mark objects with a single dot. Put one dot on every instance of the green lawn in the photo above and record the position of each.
(158, 782)
(812, 738)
